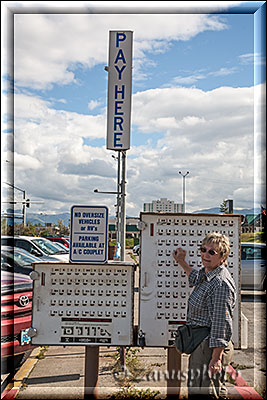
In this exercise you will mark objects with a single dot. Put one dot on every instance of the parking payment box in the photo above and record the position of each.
(164, 288)
(82, 304)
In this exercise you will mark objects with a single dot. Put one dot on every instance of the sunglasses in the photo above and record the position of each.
(211, 252)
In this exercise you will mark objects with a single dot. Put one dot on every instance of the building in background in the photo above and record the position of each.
(163, 205)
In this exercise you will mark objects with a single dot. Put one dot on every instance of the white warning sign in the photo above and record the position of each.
(89, 234)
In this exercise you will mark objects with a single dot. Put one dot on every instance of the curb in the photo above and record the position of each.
(14, 386)
(242, 386)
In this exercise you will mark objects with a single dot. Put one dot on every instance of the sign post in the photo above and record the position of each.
(119, 116)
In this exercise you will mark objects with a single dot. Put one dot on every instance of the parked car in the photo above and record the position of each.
(136, 249)
(57, 239)
(16, 315)
(253, 266)
(40, 247)
(14, 259)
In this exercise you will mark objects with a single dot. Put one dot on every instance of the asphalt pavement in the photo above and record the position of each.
(58, 372)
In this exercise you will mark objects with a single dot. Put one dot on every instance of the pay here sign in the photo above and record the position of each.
(119, 90)
(89, 234)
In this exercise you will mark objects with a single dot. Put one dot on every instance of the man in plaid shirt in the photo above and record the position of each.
(210, 304)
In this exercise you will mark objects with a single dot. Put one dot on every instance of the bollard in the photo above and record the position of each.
(91, 372)
(244, 331)
(174, 362)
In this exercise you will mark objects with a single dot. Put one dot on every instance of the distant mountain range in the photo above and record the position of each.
(216, 210)
(42, 219)
(65, 217)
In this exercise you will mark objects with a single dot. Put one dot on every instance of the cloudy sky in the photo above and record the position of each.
(192, 104)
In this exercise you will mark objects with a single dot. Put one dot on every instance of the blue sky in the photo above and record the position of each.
(192, 107)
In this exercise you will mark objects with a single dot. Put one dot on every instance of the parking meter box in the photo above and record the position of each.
(82, 304)
(164, 288)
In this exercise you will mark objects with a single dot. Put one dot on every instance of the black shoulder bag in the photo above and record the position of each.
(188, 337)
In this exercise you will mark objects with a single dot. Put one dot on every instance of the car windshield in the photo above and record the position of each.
(23, 259)
(48, 247)
(62, 247)
(253, 252)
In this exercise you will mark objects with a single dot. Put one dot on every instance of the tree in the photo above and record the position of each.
(28, 230)
(61, 229)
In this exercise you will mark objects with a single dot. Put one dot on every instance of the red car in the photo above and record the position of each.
(61, 240)
(16, 316)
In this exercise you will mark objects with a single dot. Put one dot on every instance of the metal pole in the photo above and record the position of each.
(24, 208)
(122, 237)
(123, 208)
(174, 363)
(118, 197)
(184, 192)
(184, 175)
(91, 372)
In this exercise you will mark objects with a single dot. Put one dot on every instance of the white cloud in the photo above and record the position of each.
(94, 104)
(208, 133)
(194, 78)
(27, 162)
(251, 58)
(49, 47)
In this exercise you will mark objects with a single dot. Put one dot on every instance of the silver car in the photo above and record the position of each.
(37, 246)
(253, 266)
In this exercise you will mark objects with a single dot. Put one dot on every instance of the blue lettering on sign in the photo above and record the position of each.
(117, 91)
(120, 71)
(120, 57)
(120, 37)
(117, 139)
(118, 122)
(118, 107)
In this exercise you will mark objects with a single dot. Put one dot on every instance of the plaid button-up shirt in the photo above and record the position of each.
(211, 303)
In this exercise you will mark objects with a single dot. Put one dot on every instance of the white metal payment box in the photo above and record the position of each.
(164, 287)
(82, 304)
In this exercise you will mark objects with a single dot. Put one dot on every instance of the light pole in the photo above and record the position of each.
(23, 201)
(184, 175)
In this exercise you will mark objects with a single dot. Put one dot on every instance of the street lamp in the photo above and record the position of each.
(184, 175)
(99, 191)
(23, 201)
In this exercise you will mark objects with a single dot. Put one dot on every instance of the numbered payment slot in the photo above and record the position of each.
(164, 288)
(72, 310)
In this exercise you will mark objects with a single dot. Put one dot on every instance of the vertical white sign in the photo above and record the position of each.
(89, 234)
(119, 90)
